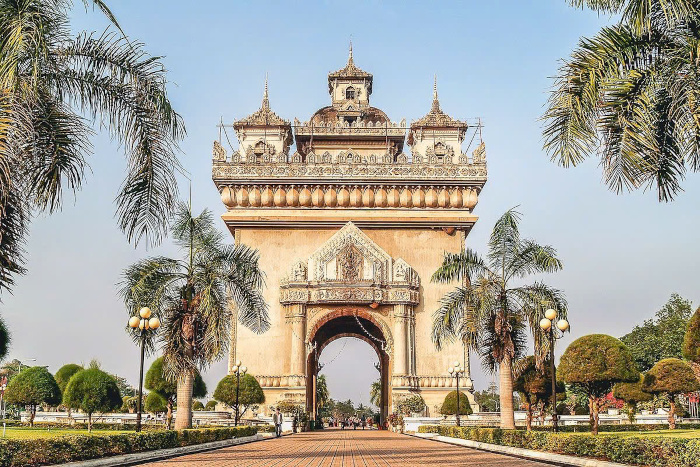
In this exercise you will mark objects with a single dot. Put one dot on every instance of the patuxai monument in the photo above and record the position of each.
(350, 227)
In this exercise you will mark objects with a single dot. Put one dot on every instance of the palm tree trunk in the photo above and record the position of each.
(506, 389)
(184, 402)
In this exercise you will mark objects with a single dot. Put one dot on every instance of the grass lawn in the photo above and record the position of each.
(688, 434)
(34, 433)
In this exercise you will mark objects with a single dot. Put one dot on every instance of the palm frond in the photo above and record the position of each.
(533, 258)
(448, 319)
(459, 266)
(14, 216)
(504, 241)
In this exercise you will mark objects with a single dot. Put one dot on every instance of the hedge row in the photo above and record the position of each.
(71, 448)
(656, 452)
(618, 428)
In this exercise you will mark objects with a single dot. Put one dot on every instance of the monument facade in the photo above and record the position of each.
(350, 228)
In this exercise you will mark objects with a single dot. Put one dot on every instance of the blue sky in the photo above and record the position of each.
(623, 255)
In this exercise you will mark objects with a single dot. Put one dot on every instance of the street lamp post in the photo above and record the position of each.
(238, 370)
(456, 371)
(562, 325)
(145, 323)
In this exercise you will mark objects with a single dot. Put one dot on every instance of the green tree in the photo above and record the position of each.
(488, 399)
(492, 310)
(375, 393)
(125, 389)
(344, 409)
(210, 406)
(449, 405)
(5, 337)
(632, 394)
(92, 391)
(322, 394)
(534, 384)
(193, 297)
(157, 382)
(32, 387)
(64, 374)
(691, 339)
(250, 393)
(662, 336)
(629, 96)
(596, 363)
(57, 89)
(671, 377)
(197, 405)
(155, 404)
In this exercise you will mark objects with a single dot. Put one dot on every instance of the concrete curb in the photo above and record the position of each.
(549, 457)
(160, 454)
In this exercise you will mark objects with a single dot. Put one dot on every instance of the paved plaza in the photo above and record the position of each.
(336, 447)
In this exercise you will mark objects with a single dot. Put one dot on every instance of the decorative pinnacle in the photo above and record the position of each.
(266, 101)
(436, 103)
(350, 54)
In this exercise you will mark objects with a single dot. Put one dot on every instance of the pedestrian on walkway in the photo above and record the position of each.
(277, 420)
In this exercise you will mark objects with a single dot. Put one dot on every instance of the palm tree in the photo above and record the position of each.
(375, 393)
(55, 89)
(193, 297)
(630, 95)
(489, 301)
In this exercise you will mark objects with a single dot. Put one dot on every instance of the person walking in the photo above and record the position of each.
(277, 420)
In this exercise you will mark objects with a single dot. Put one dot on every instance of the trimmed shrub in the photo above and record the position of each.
(64, 374)
(596, 363)
(250, 392)
(211, 405)
(32, 387)
(91, 391)
(198, 406)
(449, 405)
(155, 403)
(62, 449)
(670, 376)
(691, 341)
(653, 452)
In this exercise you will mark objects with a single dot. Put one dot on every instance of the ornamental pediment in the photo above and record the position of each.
(351, 268)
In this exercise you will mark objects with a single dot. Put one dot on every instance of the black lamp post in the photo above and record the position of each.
(456, 371)
(238, 370)
(145, 325)
(553, 335)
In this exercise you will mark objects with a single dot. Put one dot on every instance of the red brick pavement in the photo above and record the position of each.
(336, 447)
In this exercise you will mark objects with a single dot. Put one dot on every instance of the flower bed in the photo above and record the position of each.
(58, 450)
(657, 452)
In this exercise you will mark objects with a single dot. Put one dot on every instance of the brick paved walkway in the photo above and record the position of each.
(345, 448)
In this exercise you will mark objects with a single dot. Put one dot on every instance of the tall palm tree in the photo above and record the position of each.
(491, 310)
(375, 393)
(631, 96)
(193, 297)
(55, 88)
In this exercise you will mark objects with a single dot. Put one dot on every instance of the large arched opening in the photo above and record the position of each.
(358, 324)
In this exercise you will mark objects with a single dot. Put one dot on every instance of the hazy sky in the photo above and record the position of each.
(623, 255)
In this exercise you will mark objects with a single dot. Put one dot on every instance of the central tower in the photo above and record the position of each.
(350, 229)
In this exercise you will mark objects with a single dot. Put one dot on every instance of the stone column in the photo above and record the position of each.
(400, 341)
(297, 320)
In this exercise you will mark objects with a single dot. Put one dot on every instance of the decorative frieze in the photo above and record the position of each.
(426, 382)
(349, 196)
(285, 381)
(349, 293)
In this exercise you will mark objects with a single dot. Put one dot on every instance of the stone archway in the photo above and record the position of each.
(356, 323)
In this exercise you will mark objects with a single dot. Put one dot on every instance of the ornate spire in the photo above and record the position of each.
(436, 103)
(264, 116)
(266, 100)
(350, 55)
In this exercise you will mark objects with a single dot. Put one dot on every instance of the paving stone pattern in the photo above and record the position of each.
(336, 447)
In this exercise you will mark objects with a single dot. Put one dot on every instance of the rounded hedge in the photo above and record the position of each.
(691, 341)
(670, 376)
(64, 374)
(631, 393)
(250, 392)
(33, 386)
(597, 361)
(155, 403)
(449, 405)
(91, 391)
